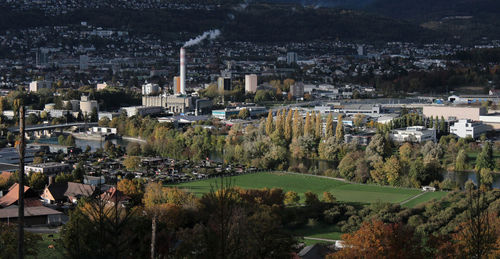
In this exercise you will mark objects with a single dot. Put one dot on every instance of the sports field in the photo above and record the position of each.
(343, 191)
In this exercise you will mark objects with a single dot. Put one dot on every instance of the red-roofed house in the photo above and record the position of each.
(31, 198)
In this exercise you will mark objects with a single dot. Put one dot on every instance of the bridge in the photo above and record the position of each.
(47, 129)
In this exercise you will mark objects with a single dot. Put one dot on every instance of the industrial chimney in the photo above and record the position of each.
(183, 71)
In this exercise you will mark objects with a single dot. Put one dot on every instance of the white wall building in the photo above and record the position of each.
(87, 105)
(35, 86)
(148, 89)
(47, 168)
(465, 128)
(413, 134)
(251, 83)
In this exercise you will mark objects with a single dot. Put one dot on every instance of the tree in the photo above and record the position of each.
(131, 162)
(289, 126)
(63, 178)
(308, 127)
(339, 131)
(329, 126)
(392, 169)
(104, 122)
(37, 160)
(291, 198)
(359, 119)
(133, 149)
(485, 158)
(311, 198)
(297, 125)
(8, 242)
(70, 141)
(378, 240)
(405, 151)
(37, 181)
(269, 123)
(461, 161)
(328, 197)
(243, 113)
(442, 126)
(319, 126)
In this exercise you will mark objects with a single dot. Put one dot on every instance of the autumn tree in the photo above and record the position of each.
(289, 126)
(291, 198)
(297, 124)
(461, 161)
(308, 126)
(328, 197)
(378, 240)
(132, 162)
(269, 123)
(319, 126)
(339, 131)
(329, 126)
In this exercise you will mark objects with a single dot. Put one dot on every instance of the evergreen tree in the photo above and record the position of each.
(329, 126)
(442, 125)
(431, 122)
(269, 123)
(339, 131)
(485, 158)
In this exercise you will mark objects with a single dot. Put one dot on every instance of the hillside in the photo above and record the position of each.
(258, 23)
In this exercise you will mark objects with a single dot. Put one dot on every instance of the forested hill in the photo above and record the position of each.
(258, 23)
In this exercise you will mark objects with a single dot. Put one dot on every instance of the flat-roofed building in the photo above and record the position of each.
(50, 168)
(468, 128)
(413, 134)
(453, 113)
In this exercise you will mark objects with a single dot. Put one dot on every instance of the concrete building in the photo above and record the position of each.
(468, 128)
(75, 105)
(35, 86)
(51, 168)
(87, 105)
(224, 84)
(109, 115)
(251, 83)
(101, 86)
(84, 62)
(413, 134)
(150, 89)
(297, 90)
(172, 103)
(366, 109)
(42, 57)
(227, 113)
(291, 58)
(142, 110)
(453, 113)
(176, 85)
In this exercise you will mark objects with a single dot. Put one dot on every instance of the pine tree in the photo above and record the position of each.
(339, 131)
(319, 126)
(431, 122)
(269, 123)
(442, 125)
(308, 128)
(297, 125)
(288, 126)
(329, 126)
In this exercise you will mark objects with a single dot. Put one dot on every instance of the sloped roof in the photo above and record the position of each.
(70, 189)
(113, 195)
(28, 212)
(13, 195)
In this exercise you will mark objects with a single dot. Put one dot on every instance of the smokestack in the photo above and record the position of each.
(183, 71)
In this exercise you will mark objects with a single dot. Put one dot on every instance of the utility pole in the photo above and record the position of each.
(22, 146)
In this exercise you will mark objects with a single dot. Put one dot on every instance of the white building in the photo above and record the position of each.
(47, 168)
(102, 86)
(465, 128)
(251, 83)
(35, 86)
(148, 89)
(413, 134)
(87, 105)
(142, 110)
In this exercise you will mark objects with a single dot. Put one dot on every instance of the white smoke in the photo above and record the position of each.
(212, 34)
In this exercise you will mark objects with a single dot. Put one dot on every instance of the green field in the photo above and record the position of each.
(343, 191)
(424, 198)
(320, 230)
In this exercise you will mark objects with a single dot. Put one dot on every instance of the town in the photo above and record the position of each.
(188, 146)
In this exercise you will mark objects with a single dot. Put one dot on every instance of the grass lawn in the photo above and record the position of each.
(44, 251)
(319, 230)
(309, 242)
(425, 198)
(302, 183)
